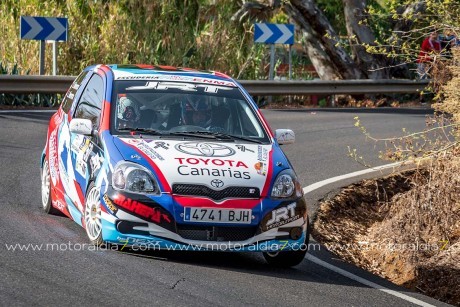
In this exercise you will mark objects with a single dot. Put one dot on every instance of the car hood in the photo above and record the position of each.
(217, 165)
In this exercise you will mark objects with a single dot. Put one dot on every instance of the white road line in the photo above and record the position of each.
(366, 282)
(320, 184)
(342, 272)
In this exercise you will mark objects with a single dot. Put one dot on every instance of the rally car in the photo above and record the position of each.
(175, 159)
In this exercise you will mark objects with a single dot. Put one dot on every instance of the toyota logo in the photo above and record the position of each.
(205, 149)
(217, 183)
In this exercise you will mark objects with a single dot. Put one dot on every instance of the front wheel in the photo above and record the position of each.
(289, 258)
(46, 189)
(93, 224)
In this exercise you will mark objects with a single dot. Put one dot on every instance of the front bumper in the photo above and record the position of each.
(147, 223)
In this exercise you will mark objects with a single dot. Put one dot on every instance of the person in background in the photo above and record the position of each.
(448, 41)
(430, 48)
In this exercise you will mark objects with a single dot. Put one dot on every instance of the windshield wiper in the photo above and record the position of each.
(238, 137)
(217, 135)
(143, 130)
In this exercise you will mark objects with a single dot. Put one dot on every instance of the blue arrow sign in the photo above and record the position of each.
(44, 28)
(270, 33)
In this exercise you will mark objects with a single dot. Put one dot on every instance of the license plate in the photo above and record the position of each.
(239, 216)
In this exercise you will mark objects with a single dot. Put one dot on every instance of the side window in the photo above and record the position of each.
(246, 121)
(69, 97)
(90, 104)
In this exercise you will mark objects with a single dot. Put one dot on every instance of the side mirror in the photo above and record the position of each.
(81, 126)
(284, 136)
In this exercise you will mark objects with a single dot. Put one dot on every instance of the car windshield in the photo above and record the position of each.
(184, 109)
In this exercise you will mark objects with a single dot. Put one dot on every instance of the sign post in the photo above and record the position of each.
(41, 70)
(270, 33)
(55, 51)
(42, 29)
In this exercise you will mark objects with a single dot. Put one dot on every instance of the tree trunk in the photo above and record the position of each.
(375, 66)
(322, 43)
(315, 50)
(327, 36)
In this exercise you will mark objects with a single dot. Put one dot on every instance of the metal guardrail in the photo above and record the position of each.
(15, 84)
(336, 87)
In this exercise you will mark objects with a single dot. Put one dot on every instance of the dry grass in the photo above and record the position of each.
(195, 34)
(408, 235)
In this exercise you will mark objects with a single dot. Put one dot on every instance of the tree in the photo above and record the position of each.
(360, 59)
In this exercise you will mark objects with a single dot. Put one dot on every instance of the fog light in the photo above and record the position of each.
(295, 233)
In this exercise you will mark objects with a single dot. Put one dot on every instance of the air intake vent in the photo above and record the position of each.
(219, 234)
(204, 191)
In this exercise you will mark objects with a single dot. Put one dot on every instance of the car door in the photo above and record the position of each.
(84, 153)
(59, 142)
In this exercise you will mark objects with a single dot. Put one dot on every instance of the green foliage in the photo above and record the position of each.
(333, 10)
(6, 70)
(195, 33)
(440, 15)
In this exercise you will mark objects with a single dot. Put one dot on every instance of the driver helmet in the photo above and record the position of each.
(196, 111)
(128, 112)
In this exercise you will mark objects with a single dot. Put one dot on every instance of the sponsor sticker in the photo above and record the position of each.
(146, 148)
(141, 209)
(58, 204)
(110, 204)
(95, 163)
(177, 78)
(261, 168)
(80, 167)
(53, 159)
(163, 145)
(282, 216)
(151, 153)
(135, 157)
(262, 153)
(243, 148)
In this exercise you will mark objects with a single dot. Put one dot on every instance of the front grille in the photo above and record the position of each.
(220, 234)
(204, 191)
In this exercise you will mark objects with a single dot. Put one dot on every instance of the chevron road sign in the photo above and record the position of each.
(270, 33)
(44, 28)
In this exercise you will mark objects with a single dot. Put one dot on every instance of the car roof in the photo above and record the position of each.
(145, 71)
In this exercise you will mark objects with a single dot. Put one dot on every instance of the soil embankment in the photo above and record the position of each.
(404, 227)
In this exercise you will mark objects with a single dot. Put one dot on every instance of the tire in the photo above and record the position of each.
(289, 258)
(46, 189)
(92, 215)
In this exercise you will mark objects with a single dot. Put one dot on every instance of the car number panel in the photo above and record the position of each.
(213, 215)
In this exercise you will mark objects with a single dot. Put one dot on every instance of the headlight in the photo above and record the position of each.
(286, 185)
(132, 177)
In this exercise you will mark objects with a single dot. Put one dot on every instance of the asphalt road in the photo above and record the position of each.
(104, 277)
